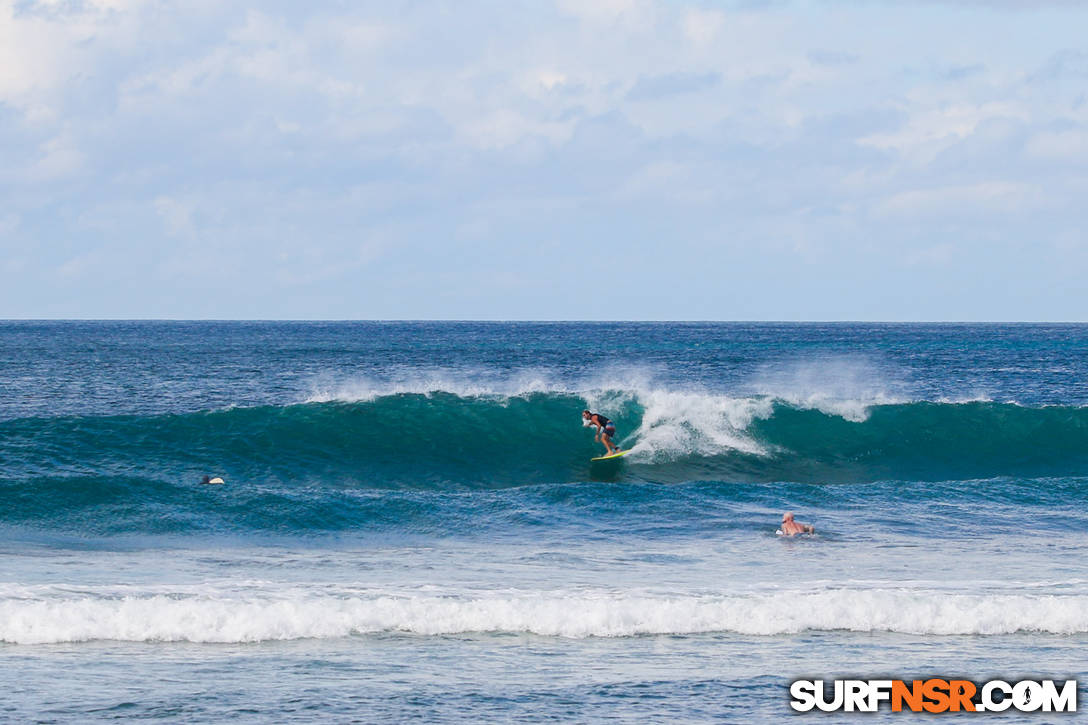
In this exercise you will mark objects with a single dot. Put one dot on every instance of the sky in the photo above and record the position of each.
(559, 159)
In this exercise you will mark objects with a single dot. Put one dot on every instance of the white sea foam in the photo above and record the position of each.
(847, 387)
(697, 423)
(217, 616)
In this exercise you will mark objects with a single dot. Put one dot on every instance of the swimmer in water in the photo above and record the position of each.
(791, 527)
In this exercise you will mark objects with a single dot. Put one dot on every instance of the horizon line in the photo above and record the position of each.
(543, 321)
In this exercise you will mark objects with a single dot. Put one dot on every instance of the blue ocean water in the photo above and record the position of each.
(411, 527)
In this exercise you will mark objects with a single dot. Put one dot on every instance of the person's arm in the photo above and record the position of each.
(810, 529)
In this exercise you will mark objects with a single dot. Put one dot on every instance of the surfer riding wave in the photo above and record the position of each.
(606, 430)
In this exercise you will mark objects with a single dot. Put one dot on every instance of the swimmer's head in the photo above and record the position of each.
(788, 516)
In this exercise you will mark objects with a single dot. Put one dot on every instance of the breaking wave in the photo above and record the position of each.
(51, 615)
(438, 439)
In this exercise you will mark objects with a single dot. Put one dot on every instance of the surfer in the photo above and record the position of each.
(606, 430)
(791, 527)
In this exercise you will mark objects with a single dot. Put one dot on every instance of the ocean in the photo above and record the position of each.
(410, 526)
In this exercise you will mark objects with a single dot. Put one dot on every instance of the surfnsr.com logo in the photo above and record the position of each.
(934, 695)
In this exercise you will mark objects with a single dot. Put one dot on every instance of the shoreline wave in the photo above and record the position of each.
(213, 617)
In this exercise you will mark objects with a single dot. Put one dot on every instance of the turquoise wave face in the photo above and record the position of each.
(443, 441)
(417, 441)
(925, 441)
(441, 463)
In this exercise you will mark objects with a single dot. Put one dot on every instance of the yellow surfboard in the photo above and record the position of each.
(621, 454)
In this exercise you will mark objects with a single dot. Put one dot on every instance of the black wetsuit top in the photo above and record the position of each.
(602, 421)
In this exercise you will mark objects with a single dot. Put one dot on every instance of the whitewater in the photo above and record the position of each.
(411, 526)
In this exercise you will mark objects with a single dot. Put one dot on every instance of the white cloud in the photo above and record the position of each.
(670, 180)
(30, 59)
(1069, 145)
(991, 197)
(229, 134)
(547, 79)
(703, 27)
(47, 46)
(176, 215)
(504, 127)
(59, 158)
(606, 12)
(81, 265)
(928, 130)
